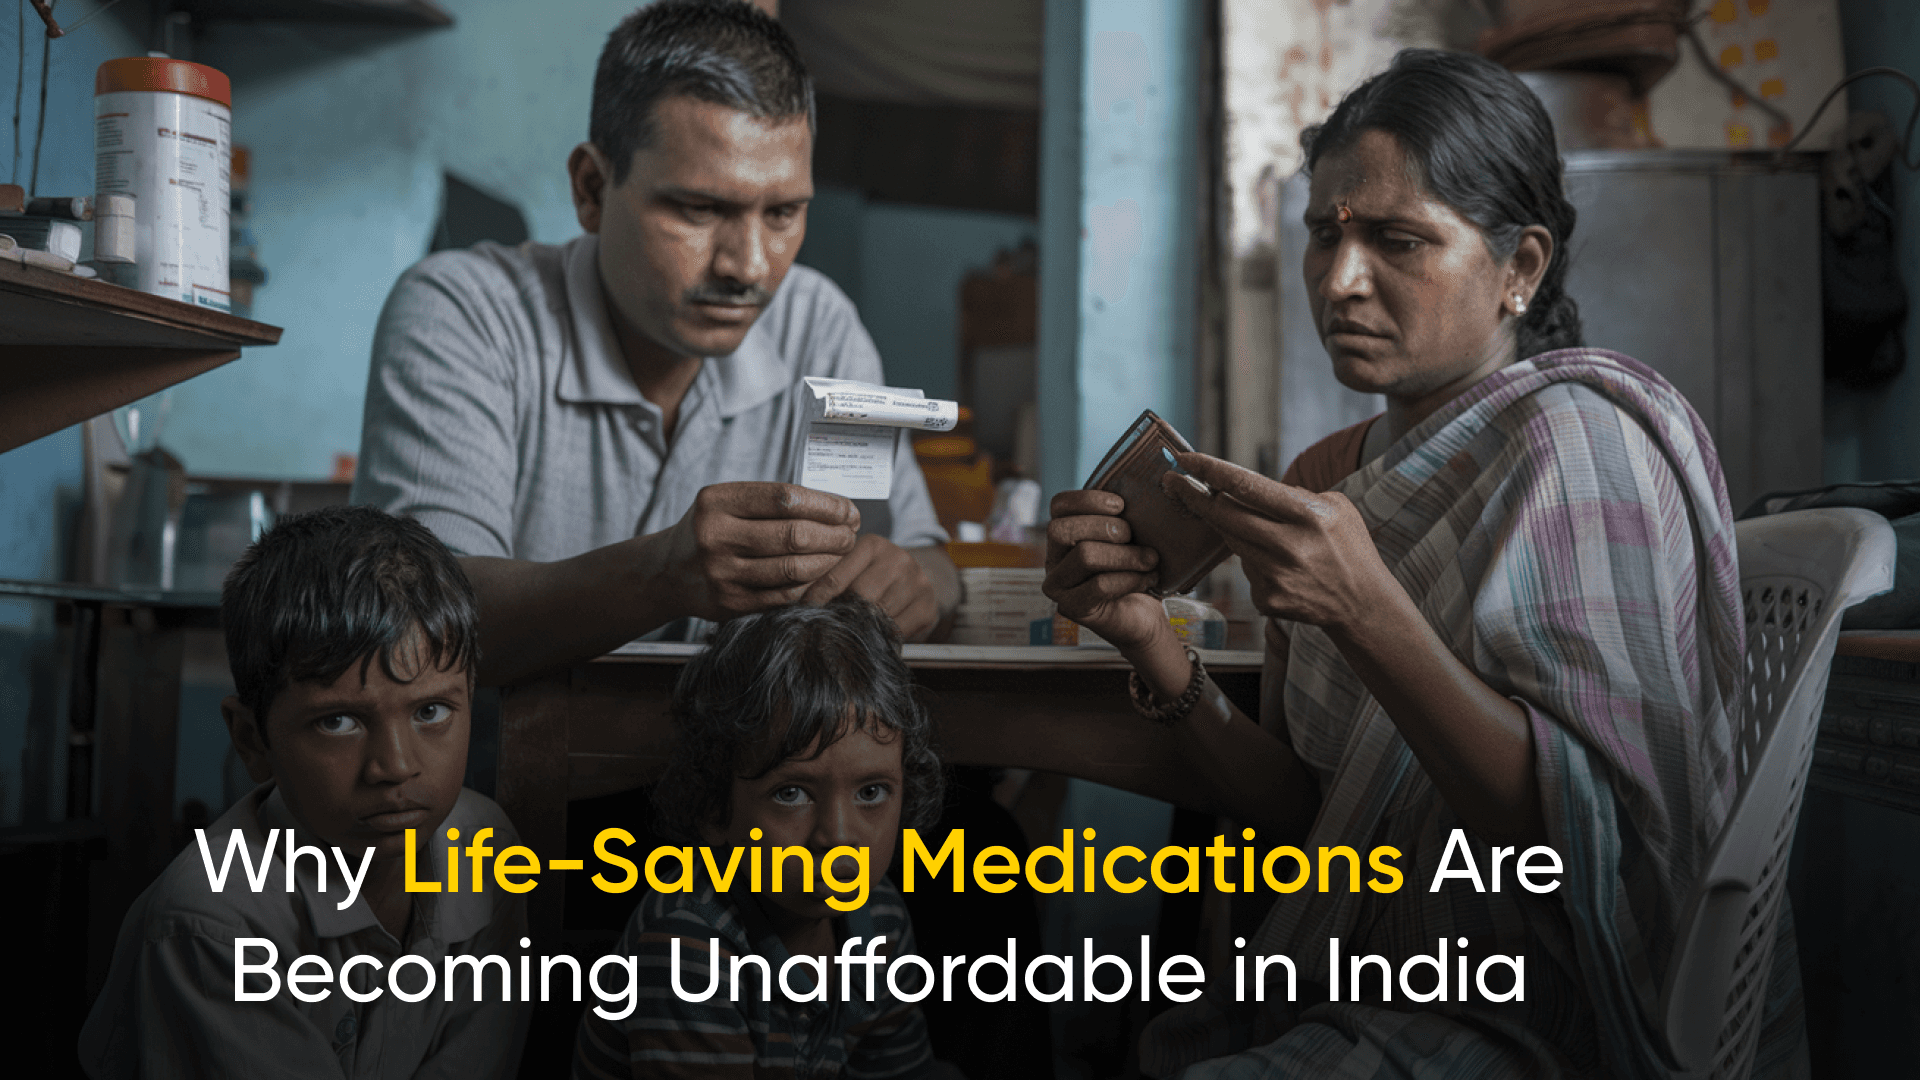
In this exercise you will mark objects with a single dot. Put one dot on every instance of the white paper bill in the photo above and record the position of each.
(854, 461)
(853, 429)
(866, 403)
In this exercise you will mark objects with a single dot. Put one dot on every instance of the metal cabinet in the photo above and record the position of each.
(1702, 264)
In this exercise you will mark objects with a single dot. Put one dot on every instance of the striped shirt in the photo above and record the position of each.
(755, 1029)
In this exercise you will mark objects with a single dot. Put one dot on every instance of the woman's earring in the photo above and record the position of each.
(1519, 304)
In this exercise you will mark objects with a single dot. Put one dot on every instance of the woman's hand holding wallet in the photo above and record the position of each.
(1098, 576)
(1308, 557)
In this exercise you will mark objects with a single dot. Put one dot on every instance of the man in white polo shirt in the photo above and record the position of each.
(599, 428)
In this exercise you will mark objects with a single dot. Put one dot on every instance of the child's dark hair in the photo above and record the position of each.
(827, 670)
(324, 590)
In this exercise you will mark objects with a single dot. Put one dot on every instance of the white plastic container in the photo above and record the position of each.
(162, 133)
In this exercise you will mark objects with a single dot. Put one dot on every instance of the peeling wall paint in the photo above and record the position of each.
(1286, 63)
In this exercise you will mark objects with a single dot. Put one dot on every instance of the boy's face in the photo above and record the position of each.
(360, 761)
(847, 796)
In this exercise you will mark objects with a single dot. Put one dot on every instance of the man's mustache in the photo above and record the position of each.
(742, 295)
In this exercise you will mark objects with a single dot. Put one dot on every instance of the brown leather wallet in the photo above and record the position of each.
(1188, 546)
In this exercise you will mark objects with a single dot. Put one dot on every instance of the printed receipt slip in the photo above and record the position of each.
(851, 432)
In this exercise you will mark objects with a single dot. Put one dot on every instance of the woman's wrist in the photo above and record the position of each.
(1162, 663)
(1389, 622)
(1277, 642)
(1379, 605)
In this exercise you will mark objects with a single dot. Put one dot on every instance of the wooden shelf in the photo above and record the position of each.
(129, 596)
(414, 13)
(72, 348)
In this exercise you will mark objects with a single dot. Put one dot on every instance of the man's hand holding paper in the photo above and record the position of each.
(847, 448)
(888, 575)
(749, 546)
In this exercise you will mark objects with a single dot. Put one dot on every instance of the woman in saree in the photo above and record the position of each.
(1513, 611)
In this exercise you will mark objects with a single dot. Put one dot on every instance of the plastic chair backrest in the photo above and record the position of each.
(1798, 572)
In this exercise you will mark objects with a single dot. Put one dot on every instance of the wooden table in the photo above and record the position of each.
(125, 648)
(603, 727)
(72, 348)
(1868, 746)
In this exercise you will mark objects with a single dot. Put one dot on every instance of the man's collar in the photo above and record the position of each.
(450, 916)
(597, 373)
(752, 374)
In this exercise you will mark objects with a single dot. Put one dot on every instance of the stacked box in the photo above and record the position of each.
(998, 604)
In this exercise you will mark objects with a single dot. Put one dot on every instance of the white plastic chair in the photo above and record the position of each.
(1798, 572)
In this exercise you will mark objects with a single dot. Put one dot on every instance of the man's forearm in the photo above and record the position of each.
(538, 616)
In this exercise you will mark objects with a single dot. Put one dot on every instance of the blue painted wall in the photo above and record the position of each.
(1121, 143)
(1119, 231)
(903, 266)
(40, 482)
(1062, 182)
(350, 130)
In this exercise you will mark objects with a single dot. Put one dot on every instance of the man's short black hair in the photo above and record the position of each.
(325, 590)
(822, 670)
(725, 52)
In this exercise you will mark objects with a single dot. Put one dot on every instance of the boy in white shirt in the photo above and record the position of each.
(351, 636)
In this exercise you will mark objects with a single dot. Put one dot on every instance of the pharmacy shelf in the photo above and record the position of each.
(72, 348)
(415, 13)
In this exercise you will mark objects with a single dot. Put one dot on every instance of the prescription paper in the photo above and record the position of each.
(852, 432)
(849, 459)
